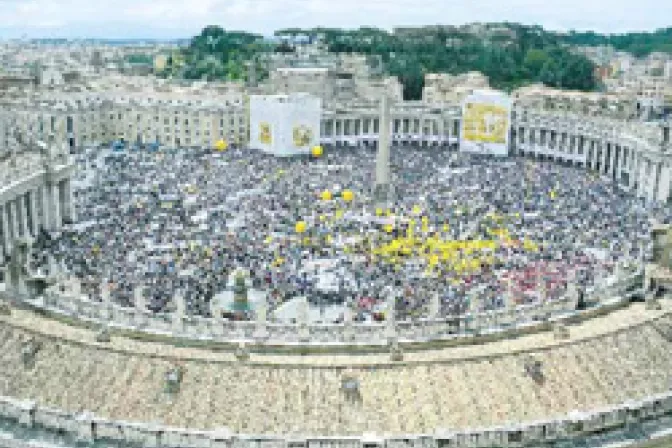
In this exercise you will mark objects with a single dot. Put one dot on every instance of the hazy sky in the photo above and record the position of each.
(184, 18)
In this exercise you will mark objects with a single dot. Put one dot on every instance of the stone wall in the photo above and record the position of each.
(491, 325)
(85, 428)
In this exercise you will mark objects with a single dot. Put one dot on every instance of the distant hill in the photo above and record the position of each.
(639, 44)
(510, 54)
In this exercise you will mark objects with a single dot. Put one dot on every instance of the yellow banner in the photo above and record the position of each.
(485, 123)
(265, 133)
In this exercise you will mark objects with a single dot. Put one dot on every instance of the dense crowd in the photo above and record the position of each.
(479, 233)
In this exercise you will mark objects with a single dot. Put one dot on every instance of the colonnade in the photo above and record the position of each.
(643, 166)
(34, 199)
(428, 128)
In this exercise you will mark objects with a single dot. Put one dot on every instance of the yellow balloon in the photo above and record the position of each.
(300, 227)
(326, 195)
(317, 151)
(348, 195)
(221, 145)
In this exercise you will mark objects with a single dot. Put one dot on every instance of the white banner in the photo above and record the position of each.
(486, 118)
(285, 125)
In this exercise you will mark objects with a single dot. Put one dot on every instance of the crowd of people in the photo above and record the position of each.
(478, 232)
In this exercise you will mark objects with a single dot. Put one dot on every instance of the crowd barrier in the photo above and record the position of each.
(502, 322)
(86, 428)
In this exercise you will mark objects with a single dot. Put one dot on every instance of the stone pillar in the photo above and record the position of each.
(442, 136)
(632, 169)
(642, 180)
(615, 151)
(6, 235)
(46, 208)
(663, 192)
(105, 293)
(348, 330)
(139, 298)
(302, 318)
(15, 219)
(69, 203)
(390, 318)
(382, 182)
(22, 206)
(180, 308)
(510, 294)
(435, 306)
(653, 181)
(261, 330)
(75, 288)
(33, 213)
(56, 206)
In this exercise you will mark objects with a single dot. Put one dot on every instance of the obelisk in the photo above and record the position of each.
(381, 188)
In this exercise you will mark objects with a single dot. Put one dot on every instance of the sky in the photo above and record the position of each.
(167, 19)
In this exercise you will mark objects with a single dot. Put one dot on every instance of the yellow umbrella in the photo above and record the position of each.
(326, 195)
(317, 151)
(347, 195)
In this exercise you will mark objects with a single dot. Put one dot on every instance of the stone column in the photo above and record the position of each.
(604, 169)
(46, 207)
(56, 206)
(510, 294)
(15, 219)
(390, 318)
(22, 205)
(69, 203)
(382, 182)
(663, 192)
(632, 169)
(441, 131)
(180, 308)
(6, 235)
(302, 318)
(348, 330)
(595, 147)
(75, 287)
(261, 330)
(33, 213)
(139, 298)
(105, 292)
(435, 306)
(653, 181)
